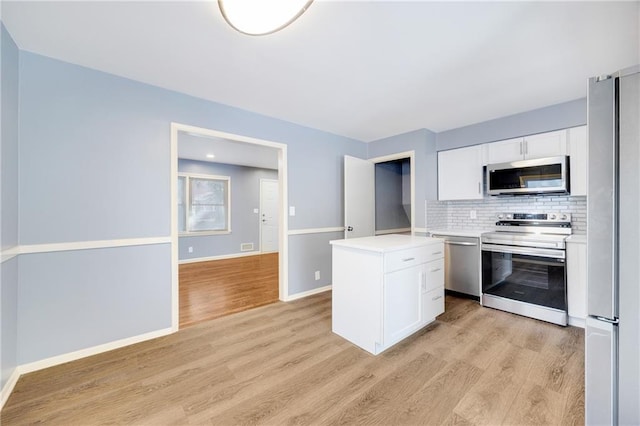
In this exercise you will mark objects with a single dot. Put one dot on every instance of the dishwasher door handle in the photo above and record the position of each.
(457, 243)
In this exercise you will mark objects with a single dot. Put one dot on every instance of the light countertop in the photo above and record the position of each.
(459, 232)
(386, 243)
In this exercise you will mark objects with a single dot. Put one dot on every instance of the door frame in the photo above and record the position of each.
(260, 215)
(283, 223)
(411, 155)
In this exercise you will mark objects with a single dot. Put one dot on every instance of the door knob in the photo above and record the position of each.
(349, 228)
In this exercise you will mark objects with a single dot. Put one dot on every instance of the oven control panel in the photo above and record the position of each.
(546, 217)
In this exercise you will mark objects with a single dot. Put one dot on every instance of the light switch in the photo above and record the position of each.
(256, 210)
(292, 211)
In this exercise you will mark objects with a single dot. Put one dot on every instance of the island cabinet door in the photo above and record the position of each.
(402, 303)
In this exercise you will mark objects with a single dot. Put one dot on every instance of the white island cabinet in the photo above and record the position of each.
(386, 288)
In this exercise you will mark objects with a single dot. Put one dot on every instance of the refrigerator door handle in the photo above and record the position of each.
(602, 200)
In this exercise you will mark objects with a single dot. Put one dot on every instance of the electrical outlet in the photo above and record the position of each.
(472, 214)
(317, 275)
(292, 210)
(190, 249)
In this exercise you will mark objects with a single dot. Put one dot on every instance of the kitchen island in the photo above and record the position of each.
(386, 288)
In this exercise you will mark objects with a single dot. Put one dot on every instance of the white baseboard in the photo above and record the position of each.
(83, 353)
(72, 356)
(577, 322)
(307, 293)
(222, 256)
(8, 387)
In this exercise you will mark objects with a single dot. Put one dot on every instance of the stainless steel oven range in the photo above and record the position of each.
(523, 265)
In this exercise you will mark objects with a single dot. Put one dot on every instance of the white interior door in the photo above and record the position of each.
(268, 215)
(359, 198)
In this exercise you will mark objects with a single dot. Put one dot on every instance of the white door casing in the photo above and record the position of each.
(268, 215)
(283, 225)
(359, 197)
(407, 155)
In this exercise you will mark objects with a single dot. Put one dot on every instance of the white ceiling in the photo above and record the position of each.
(196, 147)
(362, 69)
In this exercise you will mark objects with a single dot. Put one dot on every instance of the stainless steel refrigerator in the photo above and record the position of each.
(612, 372)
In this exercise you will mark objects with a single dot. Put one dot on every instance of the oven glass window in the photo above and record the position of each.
(531, 279)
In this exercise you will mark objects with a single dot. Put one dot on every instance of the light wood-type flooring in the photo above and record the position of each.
(217, 288)
(281, 365)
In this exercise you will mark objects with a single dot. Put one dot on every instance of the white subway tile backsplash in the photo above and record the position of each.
(456, 214)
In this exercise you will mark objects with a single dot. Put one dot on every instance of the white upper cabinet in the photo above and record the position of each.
(578, 160)
(460, 170)
(460, 173)
(504, 151)
(550, 144)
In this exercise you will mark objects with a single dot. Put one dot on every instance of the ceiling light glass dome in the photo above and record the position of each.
(259, 17)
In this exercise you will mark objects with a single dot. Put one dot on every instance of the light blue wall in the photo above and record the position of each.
(9, 318)
(69, 301)
(423, 142)
(8, 204)
(95, 165)
(245, 196)
(554, 117)
(390, 213)
(316, 187)
(86, 135)
(310, 252)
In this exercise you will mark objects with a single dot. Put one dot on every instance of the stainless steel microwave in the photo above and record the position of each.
(523, 177)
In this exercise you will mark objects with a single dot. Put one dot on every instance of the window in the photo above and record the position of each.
(203, 203)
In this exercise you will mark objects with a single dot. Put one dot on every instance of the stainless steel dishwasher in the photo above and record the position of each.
(462, 264)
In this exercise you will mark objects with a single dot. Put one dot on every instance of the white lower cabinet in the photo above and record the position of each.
(401, 303)
(432, 304)
(385, 288)
(577, 280)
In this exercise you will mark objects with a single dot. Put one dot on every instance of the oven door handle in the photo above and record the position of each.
(527, 251)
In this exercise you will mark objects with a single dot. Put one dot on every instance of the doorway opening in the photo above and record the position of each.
(393, 197)
(395, 183)
(379, 195)
(216, 223)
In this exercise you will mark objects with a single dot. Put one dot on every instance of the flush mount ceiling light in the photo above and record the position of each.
(260, 17)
